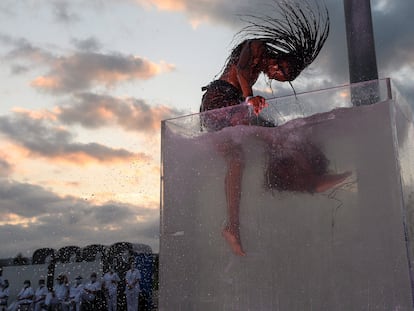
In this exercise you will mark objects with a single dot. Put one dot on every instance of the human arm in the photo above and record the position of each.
(91, 289)
(134, 278)
(249, 65)
(26, 294)
(248, 68)
(4, 293)
(116, 279)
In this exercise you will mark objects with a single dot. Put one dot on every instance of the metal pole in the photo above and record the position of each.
(361, 48)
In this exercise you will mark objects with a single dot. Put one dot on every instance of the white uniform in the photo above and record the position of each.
(111, 280)
(75, 295)
(61, 295)
(40, 296)
(91, 287)
(132, 278)
(24, 297)
(4, 296)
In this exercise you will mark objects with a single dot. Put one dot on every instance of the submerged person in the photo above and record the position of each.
(280, 48)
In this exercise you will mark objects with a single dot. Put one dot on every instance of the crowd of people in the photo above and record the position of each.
(76, 295)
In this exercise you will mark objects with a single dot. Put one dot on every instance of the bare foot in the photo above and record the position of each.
(327, 182)
(233, 240)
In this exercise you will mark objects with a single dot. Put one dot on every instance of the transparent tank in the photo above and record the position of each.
(344, 248)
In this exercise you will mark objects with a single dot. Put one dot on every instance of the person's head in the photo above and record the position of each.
(41, 282)
(93, 277)
(294, 36)
(78, 280)
(26, 283)
(6, 283)
(282, 68)
(60, 279)
(1, 271)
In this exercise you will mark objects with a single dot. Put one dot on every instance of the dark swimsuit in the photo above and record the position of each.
(221, 94)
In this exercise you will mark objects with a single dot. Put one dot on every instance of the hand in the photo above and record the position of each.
(258, 103)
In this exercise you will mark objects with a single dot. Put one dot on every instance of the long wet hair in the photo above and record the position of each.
(297, 34)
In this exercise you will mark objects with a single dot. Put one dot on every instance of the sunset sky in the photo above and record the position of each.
(84, 85)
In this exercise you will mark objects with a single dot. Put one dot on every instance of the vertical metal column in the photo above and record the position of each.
(361, 49)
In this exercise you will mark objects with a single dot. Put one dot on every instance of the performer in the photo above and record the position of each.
(110, 283)
(24, 297)
(40, 295)
(4, 293)
(90, 290)
(75, 293)
(132, 288)
(281, 48)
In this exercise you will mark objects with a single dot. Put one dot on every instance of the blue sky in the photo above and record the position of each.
(84, 85)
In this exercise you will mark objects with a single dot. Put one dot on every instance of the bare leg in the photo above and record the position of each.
(235, 165)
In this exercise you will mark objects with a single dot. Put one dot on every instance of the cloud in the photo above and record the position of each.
(5, 167)
(170, 5)
(62, 12)
(393, 28)
(82, 69)
(23, 49)
(6, 9)
(94, 111)
(88, 44)
(43, 138)
(19, 69)
(214, 11)
(33, 217)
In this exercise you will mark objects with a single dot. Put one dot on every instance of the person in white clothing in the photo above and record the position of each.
(4, 293)
(90, 289)
(110, 286)
(1, 277)
(40, 296)
(24, 297)
(59, 294)
(132, 288)
(75, 294)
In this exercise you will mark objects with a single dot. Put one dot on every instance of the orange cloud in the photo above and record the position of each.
(196, 17)
(45, 82)
(94, 111)
(49, 140)
(168, 5)
(83, 70)
(37, 114)
(14, 219)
